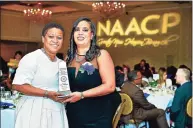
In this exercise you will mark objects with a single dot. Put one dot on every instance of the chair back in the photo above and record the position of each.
(125, 108)
(128, 104)
(189, 107)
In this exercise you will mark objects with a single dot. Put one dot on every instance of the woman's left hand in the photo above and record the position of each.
(74, 97)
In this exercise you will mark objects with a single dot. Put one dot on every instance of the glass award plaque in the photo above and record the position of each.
(64, 87)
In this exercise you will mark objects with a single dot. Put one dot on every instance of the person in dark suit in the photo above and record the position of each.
(140, 66)
(181, 97)
(119, 78)
(142, 109)
(171, 72)
(3, 73)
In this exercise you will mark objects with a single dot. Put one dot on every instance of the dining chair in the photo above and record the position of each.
(117, 115)
(189, 113)
(121, 110)
(189, 107)
(128, 108)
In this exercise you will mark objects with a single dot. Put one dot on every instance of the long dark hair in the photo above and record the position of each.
(93, 51)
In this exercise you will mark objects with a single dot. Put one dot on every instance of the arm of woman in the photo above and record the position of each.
(107, 73)
(24, 76)
(33, 91)
(25, 89)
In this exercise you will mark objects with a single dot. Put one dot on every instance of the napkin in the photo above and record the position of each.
(6, 105)
(146, 95)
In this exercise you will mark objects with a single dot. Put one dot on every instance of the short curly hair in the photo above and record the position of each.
(132, 75)
(51, 25)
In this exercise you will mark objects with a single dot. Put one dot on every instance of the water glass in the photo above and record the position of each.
(7, 95)
(1, 73)
(2, 91)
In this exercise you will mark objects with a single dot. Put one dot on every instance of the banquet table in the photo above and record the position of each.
(160, 101)
(7, 113)
(7, 118)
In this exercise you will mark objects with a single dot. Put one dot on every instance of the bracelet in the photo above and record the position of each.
(81, 95)
(46, 94)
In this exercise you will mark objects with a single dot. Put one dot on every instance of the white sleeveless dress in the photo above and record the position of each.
(38, 112)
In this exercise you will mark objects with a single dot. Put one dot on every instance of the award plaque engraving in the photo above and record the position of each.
(64, 87)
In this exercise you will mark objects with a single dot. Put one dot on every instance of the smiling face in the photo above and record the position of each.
(83, 34)
(53, 40)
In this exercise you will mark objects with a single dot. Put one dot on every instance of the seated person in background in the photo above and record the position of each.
(153, 71)
(3, 66)
(3, 73)
(181, 97)
(147, 73)
(140, 66)
(163, 81)
(119, 69)
(126, 70)
(142, 109)
(119, 79)
(171, 72)
(184, 66)
(18, 55)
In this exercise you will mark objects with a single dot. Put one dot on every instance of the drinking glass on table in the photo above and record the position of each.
(2, 92)
(7, 95)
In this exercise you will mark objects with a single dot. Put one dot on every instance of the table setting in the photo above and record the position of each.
(161, 97)
(8, 103)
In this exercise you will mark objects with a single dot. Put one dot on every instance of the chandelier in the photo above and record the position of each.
(108, 9)
(37, 14)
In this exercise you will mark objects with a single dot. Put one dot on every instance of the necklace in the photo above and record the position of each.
(43, 50)
(79, 54)
(78, 59)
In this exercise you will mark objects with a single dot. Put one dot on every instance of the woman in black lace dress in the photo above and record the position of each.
(92, 80)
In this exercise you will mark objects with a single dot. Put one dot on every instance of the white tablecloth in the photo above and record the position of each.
(7, 118)
(160, 101)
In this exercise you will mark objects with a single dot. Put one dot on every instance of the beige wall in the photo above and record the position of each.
(175, 53)
(7, 50)
(15, 27)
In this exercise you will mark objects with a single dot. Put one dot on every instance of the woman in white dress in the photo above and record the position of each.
(37, 78)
